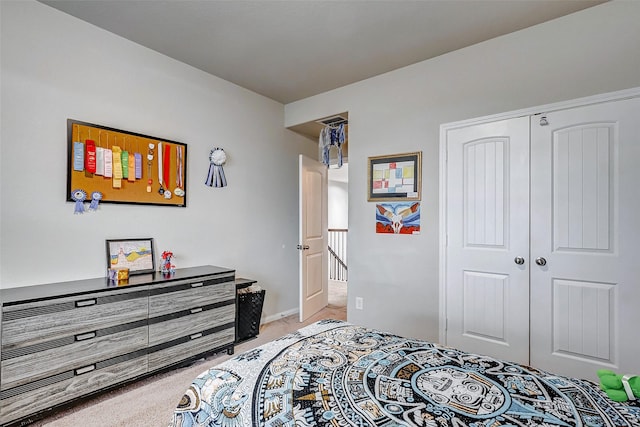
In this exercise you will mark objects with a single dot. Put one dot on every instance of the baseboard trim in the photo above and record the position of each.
(279, 316)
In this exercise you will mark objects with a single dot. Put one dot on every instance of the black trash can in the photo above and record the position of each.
(249, 311)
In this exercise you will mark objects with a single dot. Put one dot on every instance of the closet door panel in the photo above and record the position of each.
(584, 224)
(582, 187)
(487, 227)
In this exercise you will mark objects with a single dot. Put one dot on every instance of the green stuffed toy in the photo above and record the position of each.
(611, 383)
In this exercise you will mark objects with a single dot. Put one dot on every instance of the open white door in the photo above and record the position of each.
(314, 270)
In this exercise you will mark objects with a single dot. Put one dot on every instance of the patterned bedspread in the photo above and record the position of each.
(335, 373)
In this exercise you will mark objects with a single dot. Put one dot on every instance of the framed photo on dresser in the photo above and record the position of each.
(138, 255)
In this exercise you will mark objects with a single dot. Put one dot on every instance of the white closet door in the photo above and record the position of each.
(585, 223)
(487, 229)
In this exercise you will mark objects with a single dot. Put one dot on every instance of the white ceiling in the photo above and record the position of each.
(293, 49)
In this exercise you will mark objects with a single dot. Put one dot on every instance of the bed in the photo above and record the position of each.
(333, 373)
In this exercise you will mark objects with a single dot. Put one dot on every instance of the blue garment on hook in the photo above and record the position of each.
(331, 137)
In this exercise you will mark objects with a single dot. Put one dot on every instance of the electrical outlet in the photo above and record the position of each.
(359, 303)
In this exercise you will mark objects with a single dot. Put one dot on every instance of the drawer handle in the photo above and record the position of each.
(86, 303)
(87, 336)
(196, 336)
(86, 369)
(196, 310)
(197, 285)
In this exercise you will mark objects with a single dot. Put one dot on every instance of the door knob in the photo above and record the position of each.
(302, 248)
(541, 261)
(519, 260)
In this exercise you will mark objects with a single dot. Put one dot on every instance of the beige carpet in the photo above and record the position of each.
(150, 402)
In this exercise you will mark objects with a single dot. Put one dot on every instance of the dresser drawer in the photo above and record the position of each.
(40, 395)
(196, 344)
(189, 322)
(33, 323)
(29, 364)
(182, 296)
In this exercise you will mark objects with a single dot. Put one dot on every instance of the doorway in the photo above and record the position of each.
(337, 208)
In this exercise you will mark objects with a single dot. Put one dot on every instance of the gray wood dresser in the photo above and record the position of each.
(65, 341)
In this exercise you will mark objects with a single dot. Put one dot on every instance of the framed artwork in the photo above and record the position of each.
(398, 218)
(124, 167)
(395, 177)
(135, 254)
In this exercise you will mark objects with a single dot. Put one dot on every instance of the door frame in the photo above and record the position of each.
(446, 127)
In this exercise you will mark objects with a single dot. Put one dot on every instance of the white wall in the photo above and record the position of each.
(593, 51)
(56, 67)
(338, 198)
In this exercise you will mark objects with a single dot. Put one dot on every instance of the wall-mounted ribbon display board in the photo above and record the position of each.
(124, 167)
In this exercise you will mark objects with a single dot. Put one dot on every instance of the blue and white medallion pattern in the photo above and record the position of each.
(335, 374)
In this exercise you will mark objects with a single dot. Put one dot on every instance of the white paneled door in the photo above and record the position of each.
(488, 246)
(313, 223)
(585, 230)
(542, 239)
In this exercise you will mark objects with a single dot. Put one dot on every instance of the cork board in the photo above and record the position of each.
(139, 163)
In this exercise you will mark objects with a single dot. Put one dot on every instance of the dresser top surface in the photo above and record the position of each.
(100, 284)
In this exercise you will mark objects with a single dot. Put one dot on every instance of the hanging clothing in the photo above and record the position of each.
(331, 137)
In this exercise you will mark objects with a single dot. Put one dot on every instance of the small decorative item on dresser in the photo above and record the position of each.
(119, 276)
(167, 268)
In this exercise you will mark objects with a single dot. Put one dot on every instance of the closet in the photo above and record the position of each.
(541, 230)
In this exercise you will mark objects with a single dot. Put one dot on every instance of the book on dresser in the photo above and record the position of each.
(64, 341)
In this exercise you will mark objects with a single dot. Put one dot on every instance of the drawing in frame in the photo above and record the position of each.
(138, 255)
(395, 177)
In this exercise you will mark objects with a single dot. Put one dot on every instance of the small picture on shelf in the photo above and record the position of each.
(137, 255)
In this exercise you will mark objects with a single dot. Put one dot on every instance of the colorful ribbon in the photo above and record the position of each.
(108, 163)
(78, 196)
(117, 166)
(96, 196)
(132, 167)
(78, 156)
(90, 156)
(125, 164)
(99, 161)
(216, 177)
(137, 158)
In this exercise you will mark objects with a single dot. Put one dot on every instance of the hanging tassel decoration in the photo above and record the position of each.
(78, 196)
(216, 177)
(96, 196)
